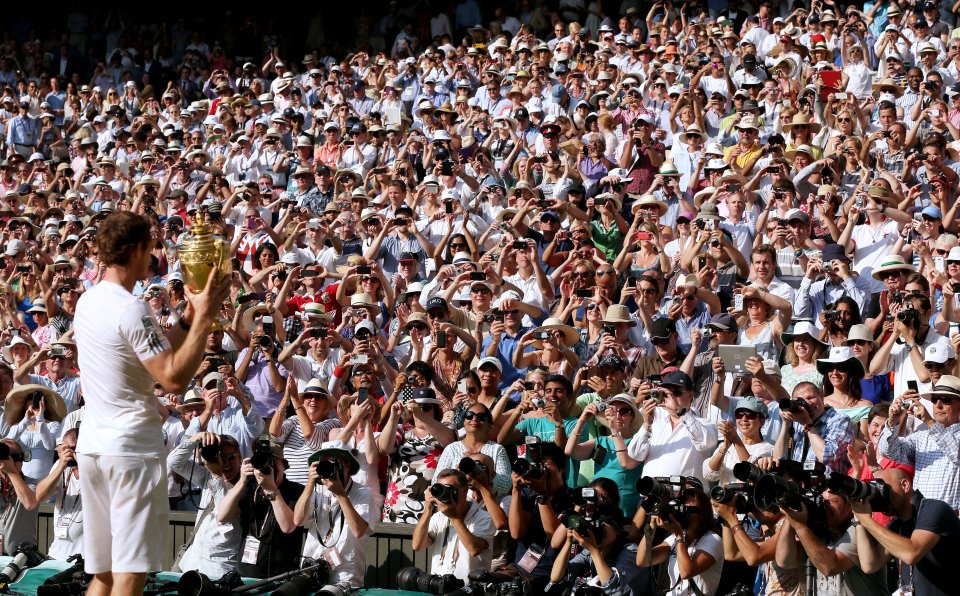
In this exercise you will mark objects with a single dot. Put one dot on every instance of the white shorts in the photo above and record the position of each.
(125, 513)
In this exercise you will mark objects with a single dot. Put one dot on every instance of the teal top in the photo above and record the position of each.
(544, 429)
(609, 467)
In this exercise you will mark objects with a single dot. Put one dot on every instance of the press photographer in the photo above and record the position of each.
(460, 532)
(692, 549)
(924, 534)
(18, 502)
(834, 555)
(337, 512)
(64, 482)
(264, 500)
(602, 540)
(213, 547)
(538, 497)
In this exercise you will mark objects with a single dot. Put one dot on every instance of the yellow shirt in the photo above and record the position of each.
(744, 158)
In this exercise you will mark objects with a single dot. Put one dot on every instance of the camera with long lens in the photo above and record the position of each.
(72, 580)
(494, 583)
(531, 466)
(747, 472)
(876, 492)
(329, 469)
(791, 485)
(415, 580)
(665, 496)
(794, 405)
(265, 342)
(262, 458)
(5, 453)
(471, 467)
(738, 493)
(909, 316)
(445, 493)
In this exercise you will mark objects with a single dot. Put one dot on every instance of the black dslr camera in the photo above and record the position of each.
(262, 458)
(445, 493)
(876, 492)
(530, 467)
(665, 496)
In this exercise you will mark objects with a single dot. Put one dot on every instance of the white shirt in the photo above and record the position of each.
(67, 519)
(324, 520)
(668, 451)
(707, 581)
(216, 545)
(450, 555)
(873, 247)
(115, 332)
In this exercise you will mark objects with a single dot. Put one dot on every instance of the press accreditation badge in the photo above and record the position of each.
(528, 562)
(62, 527)
(332, 557)
(251, 547)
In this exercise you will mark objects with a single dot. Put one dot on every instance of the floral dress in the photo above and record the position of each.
(412, 467)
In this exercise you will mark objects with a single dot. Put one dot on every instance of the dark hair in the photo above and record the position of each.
(610, 487)
(266, 246)
(425, 370)
(119, 235)
(563, 380)
(881, 409)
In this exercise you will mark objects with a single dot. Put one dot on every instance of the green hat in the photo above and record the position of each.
(336, 449)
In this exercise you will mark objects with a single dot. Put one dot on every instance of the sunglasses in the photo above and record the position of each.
(858, 342)
(361, 372)
(830, 367)
(660, 341)
(581, 274)
(419, 327)
(946, 400)
(478, 416)
(746, 414)
(935, 365)
(624, 412)
(605, 273)
(591, 306)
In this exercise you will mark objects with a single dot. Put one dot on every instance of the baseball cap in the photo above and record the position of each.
(677, 378)
(490, 360)
(662, 328)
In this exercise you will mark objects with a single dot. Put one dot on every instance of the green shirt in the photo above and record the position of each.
(546, 430)
(609, 241)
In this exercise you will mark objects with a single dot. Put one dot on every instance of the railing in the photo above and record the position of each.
(389, 549)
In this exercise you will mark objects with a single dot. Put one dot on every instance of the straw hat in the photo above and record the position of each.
(618, 313)
(947, 386)
(16, 403)
(258, 311)
(570, 335)
(801, 119)
(892, 263)
(627, 400)
(860, 332)
(191, 399)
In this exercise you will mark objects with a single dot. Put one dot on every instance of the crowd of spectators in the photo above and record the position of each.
(497, 266)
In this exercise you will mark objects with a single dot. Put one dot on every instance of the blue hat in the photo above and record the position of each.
(724, 321)
(931, 211)
(552, 214)
(832, 252)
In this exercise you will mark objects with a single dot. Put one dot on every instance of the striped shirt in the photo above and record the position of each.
(296, 449)
(935, 453)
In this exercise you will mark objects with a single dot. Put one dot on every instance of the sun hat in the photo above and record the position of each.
(838, 355)
(802, 328)
(892, 263)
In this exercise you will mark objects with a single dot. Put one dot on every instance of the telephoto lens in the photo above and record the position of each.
(414, 580)
(528, 469)
(471, 467)
(444, 493)
(264, 341)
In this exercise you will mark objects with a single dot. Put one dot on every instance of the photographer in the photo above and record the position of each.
(536, 502)
(264, 500)
(19, 518)
(933, 450)
(213, 547)
(64, 482)
(227, 410)
(903, 351)
(602, 542)
(693, 551)
(834, 554)
(257, 364)
(811, 429)
(469, 546)
(924, 535)
(338, 514)
(673, 440)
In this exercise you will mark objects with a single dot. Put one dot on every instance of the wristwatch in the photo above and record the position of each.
(271, 496)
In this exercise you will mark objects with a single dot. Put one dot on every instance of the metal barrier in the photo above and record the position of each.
(389, 549)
